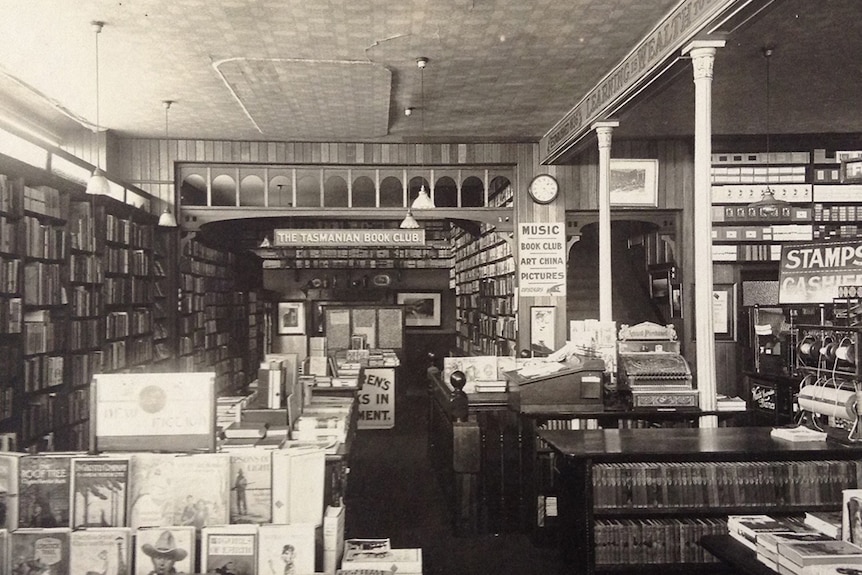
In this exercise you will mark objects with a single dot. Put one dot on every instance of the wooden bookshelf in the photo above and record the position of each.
(662, 477)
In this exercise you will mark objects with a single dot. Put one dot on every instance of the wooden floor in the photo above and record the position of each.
(392, 492)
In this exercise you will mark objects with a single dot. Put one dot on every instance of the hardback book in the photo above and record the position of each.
(851, 516)
(39, 550)
(175, 545)
(101, 551)
(9, 490)
(229, 549)
(798, 433)
(99, 491)
(150, 489)
(770, 542)
(250, 485)
(44, 490)
(333, 538)
(805, 553)
(201, 490)
(747, 528)
(837, 569)
(826, 522)
(286, 548)
(406, 560)
(297, 486)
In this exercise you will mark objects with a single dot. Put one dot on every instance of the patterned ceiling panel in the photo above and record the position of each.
(309, 99)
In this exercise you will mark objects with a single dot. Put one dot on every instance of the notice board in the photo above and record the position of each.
(172, 412)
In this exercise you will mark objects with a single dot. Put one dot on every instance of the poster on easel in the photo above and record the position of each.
(170, 412)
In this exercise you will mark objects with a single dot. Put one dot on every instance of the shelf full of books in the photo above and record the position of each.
(484, 281)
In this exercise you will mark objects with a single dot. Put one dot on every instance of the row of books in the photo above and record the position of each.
(711, 484)
(654, 541)
(812, 544)
(247, 485)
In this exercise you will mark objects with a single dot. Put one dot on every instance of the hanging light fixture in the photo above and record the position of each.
(423, 200)
(98, 183)
(768, 205)
(167, 219)
(409, 222)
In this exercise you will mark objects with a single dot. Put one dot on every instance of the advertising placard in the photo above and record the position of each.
(377, 399)
(814, 272)
(542, 259)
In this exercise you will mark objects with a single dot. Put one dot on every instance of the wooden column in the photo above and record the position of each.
(604, 131)
(702, 55)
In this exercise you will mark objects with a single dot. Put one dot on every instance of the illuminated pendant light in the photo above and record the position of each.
(98, 184)
(423, 200)
(409, 222)
(167, 219)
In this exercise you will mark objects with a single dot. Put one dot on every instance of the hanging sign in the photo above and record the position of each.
(324, 238)
(813, 273)
(541, 259)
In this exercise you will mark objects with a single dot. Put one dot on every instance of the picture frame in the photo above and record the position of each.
(543, 330)
(724, 311)
(421, 309)
(291, 318)
(634, 183)
(851, 170)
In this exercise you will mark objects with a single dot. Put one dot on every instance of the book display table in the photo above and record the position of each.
(614, 486)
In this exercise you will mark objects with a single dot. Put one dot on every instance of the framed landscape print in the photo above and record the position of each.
(291, 318)
(421, 309)
(634, 183)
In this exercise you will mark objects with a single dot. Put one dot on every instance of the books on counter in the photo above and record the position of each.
(404, 561)
(797, 433)
(796, 555)
(748, 529)
(826, 522)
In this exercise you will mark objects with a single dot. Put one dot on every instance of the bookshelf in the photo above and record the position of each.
(484, 280)
(11, 295)
(646, 497)
(165, 300)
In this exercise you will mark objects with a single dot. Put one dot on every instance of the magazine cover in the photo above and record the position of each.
(101, 551)
(9, 490)
(39, 551)
(164, 550)
(150, 489)
(250, 486)
(201, 490)
(99, 491)
(286, 549)
(229, 549)
(44, 490)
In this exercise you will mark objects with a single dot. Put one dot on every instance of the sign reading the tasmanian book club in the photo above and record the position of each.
(814, 273)
(332, 238)
(541, 259)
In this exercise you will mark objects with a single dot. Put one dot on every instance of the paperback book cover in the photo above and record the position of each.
(251, 485)
(9, 490)
(200, 490)
(33, 550)
(101, 551)
(286, 549)
(44, 488)
(150, 489)
(163, 550)
(99, 491)
(229, 549)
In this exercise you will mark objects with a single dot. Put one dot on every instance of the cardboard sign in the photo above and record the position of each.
(377, 399)
(541, 259)
(814, 272)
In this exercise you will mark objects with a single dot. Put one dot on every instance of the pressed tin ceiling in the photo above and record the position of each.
(340, 70)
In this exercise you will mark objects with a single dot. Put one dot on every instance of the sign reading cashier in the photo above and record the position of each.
(812, 273)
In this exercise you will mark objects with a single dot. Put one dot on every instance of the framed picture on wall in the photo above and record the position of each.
(634, 183)
(421, 309)
(543, 321)
(291, 318)
(724, 311)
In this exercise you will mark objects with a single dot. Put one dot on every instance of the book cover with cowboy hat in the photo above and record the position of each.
(165, 550)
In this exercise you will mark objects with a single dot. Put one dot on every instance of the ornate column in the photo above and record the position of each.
(604, 130)
(702, 56)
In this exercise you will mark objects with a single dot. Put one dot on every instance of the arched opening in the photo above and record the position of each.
(446, 193)
(364, 195)
(251, 191)
(193, 190)
(281, 192)
(472, 193)
(391, 193)
(307, 191)
(224, 191)
(335, 192)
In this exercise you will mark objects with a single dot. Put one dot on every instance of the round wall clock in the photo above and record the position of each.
(544, 189)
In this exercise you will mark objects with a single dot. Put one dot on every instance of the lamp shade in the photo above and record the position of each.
(423, 201)
(167, 219)
(409, 222)
(98, 184)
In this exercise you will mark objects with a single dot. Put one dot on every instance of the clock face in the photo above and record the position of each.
(544, 188)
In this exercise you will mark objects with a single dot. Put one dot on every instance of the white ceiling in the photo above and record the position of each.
(344, 70)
